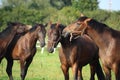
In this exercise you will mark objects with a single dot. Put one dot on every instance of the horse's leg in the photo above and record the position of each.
(116, 69)
(65, 71)
(22, 66)
(107, 72)
(75, 71)
(9, 68)
(80, 74)
(28, 62)
(92, 72)
(96, 67)
(117, 74)
(1, 59)
(2, 55)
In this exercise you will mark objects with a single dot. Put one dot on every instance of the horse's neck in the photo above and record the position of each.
(65, 42)
(32, 37)
(101, 39)
(7, 36)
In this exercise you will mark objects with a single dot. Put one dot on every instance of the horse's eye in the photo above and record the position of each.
(78, 24)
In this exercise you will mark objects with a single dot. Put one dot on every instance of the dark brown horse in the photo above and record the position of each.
(75, 54)
(23, 48)
(8, 34)
(107, 39)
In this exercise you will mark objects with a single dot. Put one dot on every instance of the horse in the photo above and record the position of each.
(106, 38)
(23, 48)
(75, 53)
(7, 35)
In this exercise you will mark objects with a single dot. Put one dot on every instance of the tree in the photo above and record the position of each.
(24, 11)
(84, 5)
(15, 3)
(59, 4)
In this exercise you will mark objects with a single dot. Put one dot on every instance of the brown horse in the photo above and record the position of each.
(75, 54)
(107, 39)
(8, 34)
(23, 48)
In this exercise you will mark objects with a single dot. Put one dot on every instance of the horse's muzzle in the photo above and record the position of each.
(42, 44)
(50, 50)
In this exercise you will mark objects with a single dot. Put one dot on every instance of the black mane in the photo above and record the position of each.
(82, 18)
(100, 27)
(61, 26)
(35, 26)
(9, 28)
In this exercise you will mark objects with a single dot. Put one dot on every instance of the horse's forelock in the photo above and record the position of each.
(82, 18)
(37, 24)
(59, 26)
(53, 26)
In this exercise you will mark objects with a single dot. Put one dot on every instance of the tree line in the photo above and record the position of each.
(63, 11)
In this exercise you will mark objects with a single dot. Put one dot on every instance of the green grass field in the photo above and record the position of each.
(44, 67)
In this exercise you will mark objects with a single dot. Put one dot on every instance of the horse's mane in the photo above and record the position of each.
(34, 27)
(6, 29)
(82, 18)
(99, 27)
(9, 27)
(61, 26)
(9, 24)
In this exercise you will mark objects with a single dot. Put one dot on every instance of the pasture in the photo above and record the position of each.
(45, 66)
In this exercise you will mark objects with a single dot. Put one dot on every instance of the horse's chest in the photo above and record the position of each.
(70, 61)
(70, 58)
(68, 55)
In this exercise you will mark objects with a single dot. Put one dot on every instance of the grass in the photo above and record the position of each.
(44, 67)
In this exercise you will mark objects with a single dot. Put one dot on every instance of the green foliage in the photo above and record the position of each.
(42, 11)
(59, 4)
(66, 15)
(85, 5)
(114, 20)
(24, 11)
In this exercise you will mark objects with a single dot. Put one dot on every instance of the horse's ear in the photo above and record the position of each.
(57, 25)
(82, 15)
(49, 24)
(46, 24)
(28, 27)
(87, 20)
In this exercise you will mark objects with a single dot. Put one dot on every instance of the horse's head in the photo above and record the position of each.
(54, 36)
(76, 28)
(41, 33)
(18, 27)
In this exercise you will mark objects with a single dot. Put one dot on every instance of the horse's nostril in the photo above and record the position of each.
(50, 50)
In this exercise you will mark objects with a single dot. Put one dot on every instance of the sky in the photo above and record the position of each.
(104, 4)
